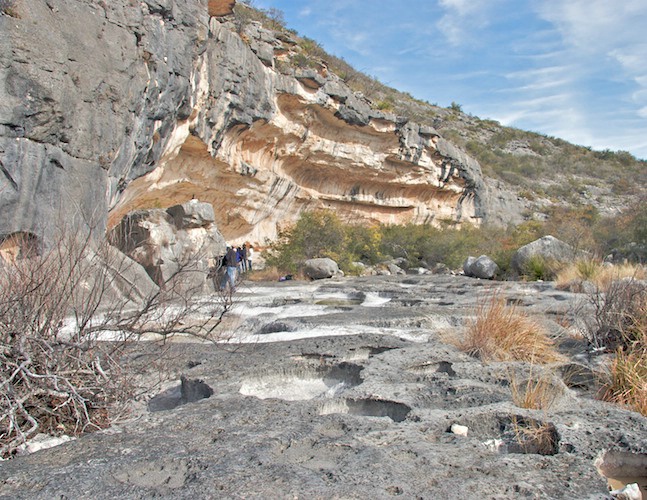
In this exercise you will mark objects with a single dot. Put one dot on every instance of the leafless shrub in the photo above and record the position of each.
(66, 316)
(619, 314)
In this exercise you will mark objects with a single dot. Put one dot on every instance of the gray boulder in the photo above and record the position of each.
(482, 267)
(394, 269)
(127, 282)
(192, 214)
(163, 240)
(322, 268)
(548, 248)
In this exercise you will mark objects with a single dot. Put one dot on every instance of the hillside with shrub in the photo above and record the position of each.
(593, 200)
(544, 170)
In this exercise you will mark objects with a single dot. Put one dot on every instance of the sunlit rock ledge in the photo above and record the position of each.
(265, 148)
(180, 103)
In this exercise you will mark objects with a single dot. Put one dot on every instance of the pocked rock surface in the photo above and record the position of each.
(348, 388)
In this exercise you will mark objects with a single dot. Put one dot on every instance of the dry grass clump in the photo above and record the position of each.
(272, 274)
(265, 274)
(502, 333)
(533, 436)
(609, 274)
(535, 393)
(596, 272)
(625, 314)
(627, 383)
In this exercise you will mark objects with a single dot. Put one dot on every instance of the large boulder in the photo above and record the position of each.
(164, 240)
(119, 278)
(322, 268)
(192, 214)
(549, 249)
(482, 267)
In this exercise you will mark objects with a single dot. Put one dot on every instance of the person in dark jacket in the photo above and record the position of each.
(242, 256)
(231, 262)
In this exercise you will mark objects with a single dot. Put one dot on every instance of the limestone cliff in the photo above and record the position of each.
(106, 107)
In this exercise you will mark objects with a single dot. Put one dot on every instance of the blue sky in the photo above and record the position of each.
(574, 69)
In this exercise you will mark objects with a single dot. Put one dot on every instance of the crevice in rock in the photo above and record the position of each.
(368, 407)
(189, 391)
(303, 383)
(515, 434)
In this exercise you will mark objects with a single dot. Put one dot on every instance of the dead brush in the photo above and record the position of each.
(502, 333)
(265, 274)
(63, 331)
(534, 436)
(619, 316)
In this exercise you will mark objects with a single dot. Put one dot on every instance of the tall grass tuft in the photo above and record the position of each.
(502, 333)
(599, 274)
(627, 383)
(535, 393)
(627, 315)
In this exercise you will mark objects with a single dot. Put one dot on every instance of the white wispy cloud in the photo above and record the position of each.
(462, 17)
(575, 69)
(606, 32)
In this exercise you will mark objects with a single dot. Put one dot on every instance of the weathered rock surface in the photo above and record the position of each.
(185, 106)
(127, 283)
(359, 403)
(547, 248)
(164, 240)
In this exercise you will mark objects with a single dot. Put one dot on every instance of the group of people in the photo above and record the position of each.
(237, 259)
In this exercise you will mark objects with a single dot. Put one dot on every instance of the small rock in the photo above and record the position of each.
(459, 430)
(495, 445)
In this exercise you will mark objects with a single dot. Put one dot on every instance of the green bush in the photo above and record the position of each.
(315, 234)
(540, 268)
(322, 234)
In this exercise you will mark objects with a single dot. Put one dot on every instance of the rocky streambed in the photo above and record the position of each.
(349, 388)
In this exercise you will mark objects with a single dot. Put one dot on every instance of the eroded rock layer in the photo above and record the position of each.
(107, 108)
